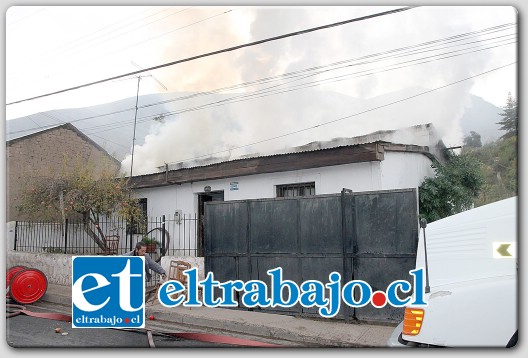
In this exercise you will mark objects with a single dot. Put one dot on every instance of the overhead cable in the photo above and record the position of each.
(291, 34)
(346, 117)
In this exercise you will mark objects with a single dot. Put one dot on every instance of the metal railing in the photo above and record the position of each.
(177, 234)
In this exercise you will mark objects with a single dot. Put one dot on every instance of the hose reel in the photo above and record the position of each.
(25, 285)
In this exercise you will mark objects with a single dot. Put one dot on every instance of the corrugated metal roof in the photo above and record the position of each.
(378, 136)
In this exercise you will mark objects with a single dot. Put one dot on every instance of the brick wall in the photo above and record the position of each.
(47, 154)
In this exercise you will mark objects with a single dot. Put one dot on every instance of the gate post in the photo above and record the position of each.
(65, 235)
(131, 230)
(163, 248)
(16, 236)
(347, 310)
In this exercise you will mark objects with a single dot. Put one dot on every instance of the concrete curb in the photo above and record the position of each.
(311, 332)
(290, 328)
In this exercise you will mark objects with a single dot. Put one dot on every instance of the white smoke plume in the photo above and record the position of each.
(339, 108)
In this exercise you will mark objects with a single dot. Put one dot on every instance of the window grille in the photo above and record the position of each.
(293, 190)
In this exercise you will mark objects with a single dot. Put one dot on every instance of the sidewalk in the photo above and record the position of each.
(312, 332)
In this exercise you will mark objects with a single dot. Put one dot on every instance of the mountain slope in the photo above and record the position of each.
(111, 125)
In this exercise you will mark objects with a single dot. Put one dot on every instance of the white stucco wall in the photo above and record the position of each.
(404, 170)
(10, 235)
(58, 267)
(398, 170)
(328, 180)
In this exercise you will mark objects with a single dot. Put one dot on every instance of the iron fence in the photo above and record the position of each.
(176, 234)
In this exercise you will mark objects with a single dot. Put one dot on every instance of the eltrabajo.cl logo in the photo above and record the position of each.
(108, 292)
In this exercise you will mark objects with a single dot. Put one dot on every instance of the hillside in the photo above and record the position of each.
(499, 166)
(111, 124)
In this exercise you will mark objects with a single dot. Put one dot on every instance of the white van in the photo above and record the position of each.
(470, 262)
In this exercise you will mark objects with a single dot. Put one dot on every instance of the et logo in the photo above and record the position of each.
(108, 292)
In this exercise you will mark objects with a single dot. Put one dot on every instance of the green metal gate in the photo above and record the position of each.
(370, 236)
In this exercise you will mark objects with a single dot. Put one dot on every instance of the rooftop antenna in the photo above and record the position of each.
(135, 114)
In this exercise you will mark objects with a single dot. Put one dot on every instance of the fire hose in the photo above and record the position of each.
(10, 312)
(15, 310)
(26, 286)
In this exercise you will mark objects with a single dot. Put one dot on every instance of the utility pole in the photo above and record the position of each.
(135, 115)
(134, 134)
(134, 143)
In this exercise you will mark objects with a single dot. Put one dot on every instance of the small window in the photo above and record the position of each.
(293, 190)
(140, 228)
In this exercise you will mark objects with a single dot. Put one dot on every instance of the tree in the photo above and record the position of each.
(84, 192)
(509, 121)
(472, 140)
(453, 189)
(499, 166)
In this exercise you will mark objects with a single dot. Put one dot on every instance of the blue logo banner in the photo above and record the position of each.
(108, 292)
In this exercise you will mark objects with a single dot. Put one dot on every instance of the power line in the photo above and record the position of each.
(396, 53)
(62, 122)
(113, 52)
(177, 29)
(346, 117)
(266, 91)
(133, 45)
(77, 42)
(302, 32)
(451, 39)
(301, 72)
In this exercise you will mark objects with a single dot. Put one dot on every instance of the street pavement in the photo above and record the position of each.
(300, 331)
